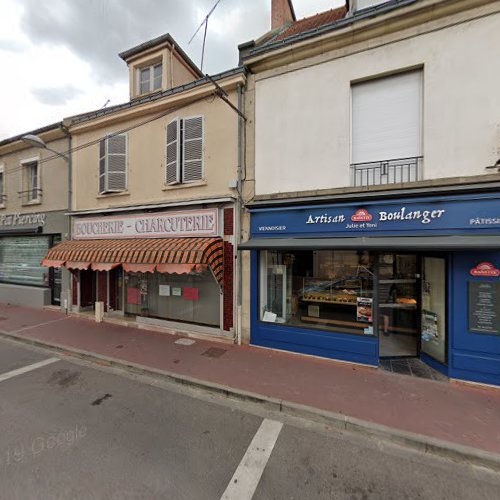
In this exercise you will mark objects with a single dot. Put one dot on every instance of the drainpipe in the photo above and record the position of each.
(69, 176)
(239, 209)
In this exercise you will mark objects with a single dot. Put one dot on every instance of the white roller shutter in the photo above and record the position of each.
(173, 164)
(387, 118)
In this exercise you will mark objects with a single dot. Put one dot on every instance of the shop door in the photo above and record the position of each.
(398, 293)
(433, 319)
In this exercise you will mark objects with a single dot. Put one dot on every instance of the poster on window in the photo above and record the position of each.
(133, 296)
(190, 293)
(430, 331)
(364, 310)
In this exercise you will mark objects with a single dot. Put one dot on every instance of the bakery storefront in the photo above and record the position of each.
(382, 279)
(25, 238)
(162, 268)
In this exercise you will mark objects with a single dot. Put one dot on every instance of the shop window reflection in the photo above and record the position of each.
(326, 289)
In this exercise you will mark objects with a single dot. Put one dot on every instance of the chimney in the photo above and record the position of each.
(282, 13)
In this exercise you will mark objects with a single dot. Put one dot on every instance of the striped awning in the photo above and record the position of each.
(166, 255)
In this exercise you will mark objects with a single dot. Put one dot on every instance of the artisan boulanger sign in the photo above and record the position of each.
(395, 216)
(152, 225)
(22, 220)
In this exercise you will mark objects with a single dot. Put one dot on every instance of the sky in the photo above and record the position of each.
(60, 57)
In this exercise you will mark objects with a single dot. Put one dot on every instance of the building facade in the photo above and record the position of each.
(154, 198)
(373, 192)
(33, 218)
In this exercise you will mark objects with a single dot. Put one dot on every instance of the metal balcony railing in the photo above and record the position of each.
(395, 171)
(30, 195)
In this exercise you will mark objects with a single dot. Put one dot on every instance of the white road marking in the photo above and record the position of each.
(247, 476)
(39, 324)
(25, 369)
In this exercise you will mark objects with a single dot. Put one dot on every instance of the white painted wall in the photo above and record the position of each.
(302, 122)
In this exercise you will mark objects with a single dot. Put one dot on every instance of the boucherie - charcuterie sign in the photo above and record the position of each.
(152, 225)
(427, 216)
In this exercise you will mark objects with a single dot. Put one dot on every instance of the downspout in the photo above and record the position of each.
(239, 210)
(69, 176)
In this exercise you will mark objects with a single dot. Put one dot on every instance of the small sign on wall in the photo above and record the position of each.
(164, 290)
(177, 292)
(484, 307)
(485, 269)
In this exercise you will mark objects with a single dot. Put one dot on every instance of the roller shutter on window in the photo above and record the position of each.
(387, 118)
(113, 164)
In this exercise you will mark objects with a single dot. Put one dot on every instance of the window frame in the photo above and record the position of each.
(26, 188)
(150, 67)
(107, 190)
(2, 186)
(181, 149)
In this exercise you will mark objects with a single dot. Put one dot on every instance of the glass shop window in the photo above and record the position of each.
(189, 298)
(325, 289)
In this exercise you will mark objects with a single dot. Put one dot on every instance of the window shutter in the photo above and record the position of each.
(192, 158)
(117, 163)
(102, 166)
(173, 166)
(387, 118)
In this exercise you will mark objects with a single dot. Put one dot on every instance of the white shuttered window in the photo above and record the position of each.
(387, 118)
(184, 161)
(113, 160)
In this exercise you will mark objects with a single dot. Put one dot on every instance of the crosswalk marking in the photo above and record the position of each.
(248, 473)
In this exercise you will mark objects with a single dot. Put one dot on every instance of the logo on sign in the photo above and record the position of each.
(485, 269)
(361, 215)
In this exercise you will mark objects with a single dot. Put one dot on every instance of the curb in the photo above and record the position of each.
(445, 449)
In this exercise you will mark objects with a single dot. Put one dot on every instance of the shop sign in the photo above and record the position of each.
(22, 220)
(485, 269)
(152, 225)
(423, 216)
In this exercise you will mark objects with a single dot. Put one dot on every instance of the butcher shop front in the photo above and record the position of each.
(162, 268)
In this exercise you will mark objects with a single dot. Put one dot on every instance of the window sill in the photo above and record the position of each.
(184, 186)
(108, 195)
(32, 202)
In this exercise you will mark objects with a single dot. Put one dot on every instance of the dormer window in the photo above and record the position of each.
(150, 78)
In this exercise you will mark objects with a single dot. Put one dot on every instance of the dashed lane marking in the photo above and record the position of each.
(25, 369)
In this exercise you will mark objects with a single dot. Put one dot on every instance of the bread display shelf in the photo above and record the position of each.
(350, 301)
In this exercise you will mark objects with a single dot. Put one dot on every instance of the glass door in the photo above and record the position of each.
(398, 305)
(434, 307)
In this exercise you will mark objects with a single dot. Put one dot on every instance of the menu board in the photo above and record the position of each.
(484, 307)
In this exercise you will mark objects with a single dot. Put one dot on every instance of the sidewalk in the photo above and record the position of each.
(460, 414)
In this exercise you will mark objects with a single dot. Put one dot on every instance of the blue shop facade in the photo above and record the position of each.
(363, 281)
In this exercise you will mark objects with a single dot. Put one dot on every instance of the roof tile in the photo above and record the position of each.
(312, 22)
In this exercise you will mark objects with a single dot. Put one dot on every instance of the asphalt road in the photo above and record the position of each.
(71, 430)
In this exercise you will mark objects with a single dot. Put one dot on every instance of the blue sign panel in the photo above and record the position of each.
(422, 216)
